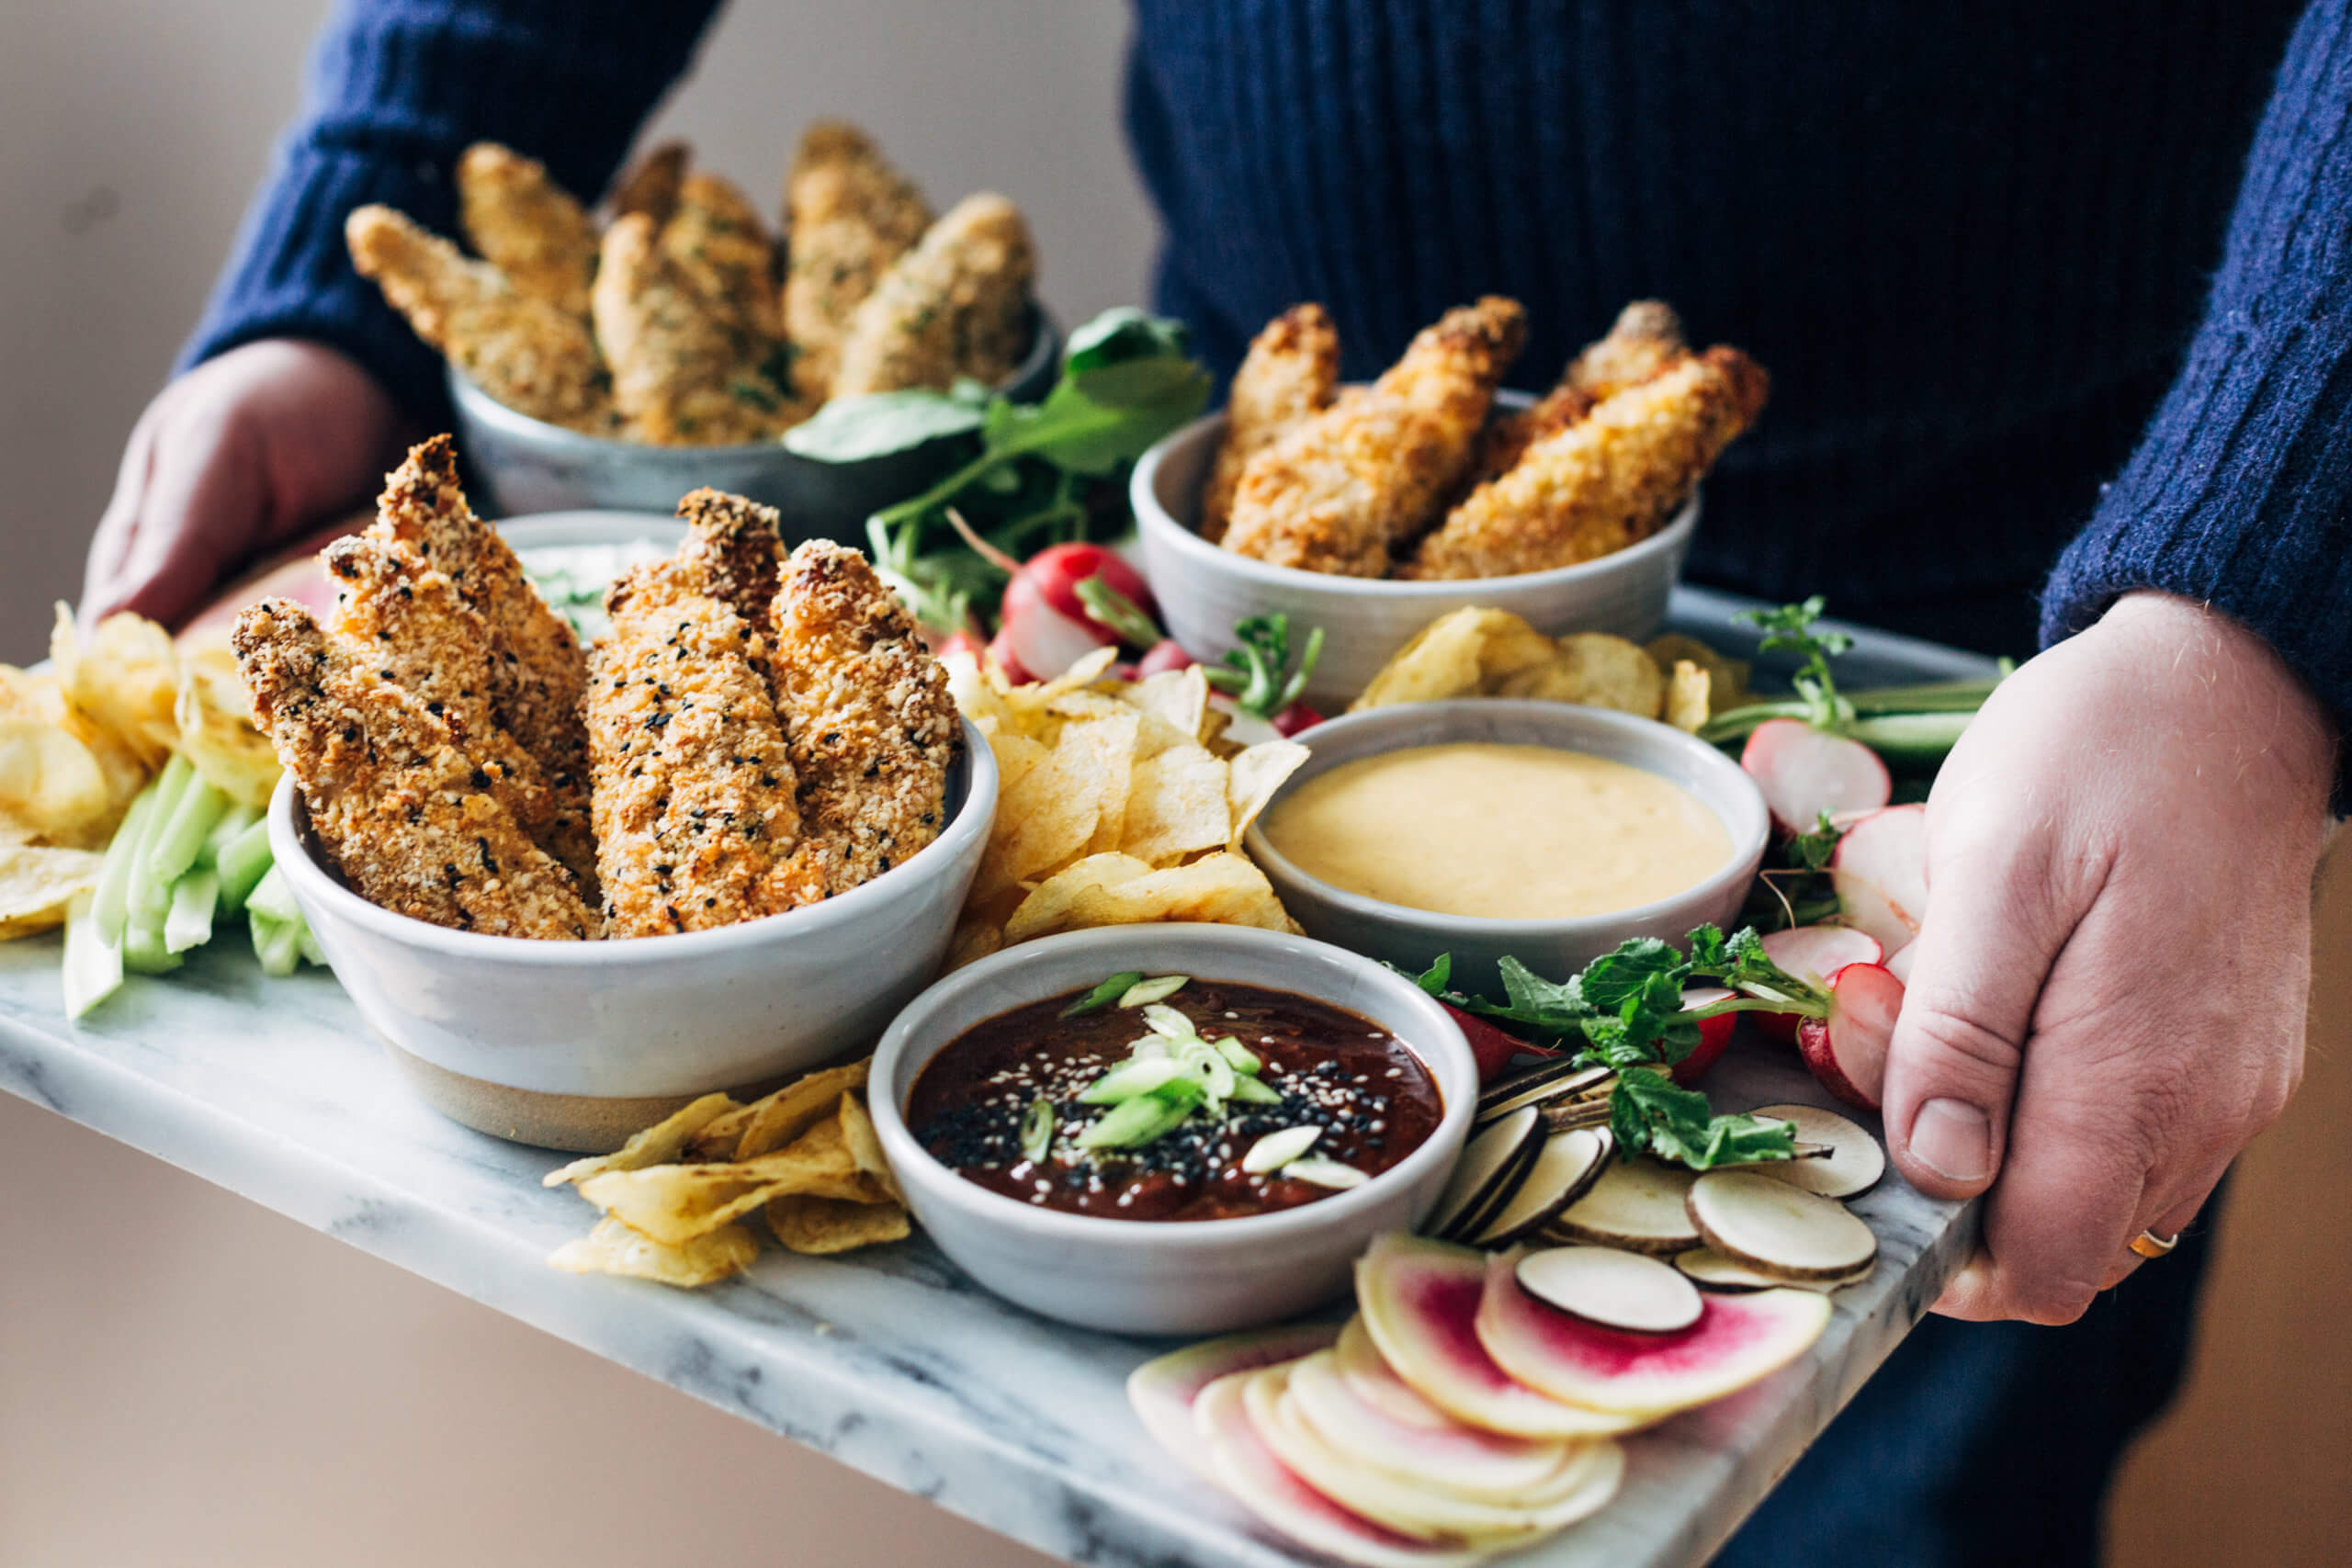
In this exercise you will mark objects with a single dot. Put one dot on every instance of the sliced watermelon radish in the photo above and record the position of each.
(1419, 1301)
(1804, 771)
(1879, 871)
(1644, 1376)
(1813, 953)
(1162, 1390)
(1247, 1468)
(1359, 1360)
(1483, 1466)
(1715, 1033)
(1847, 1051)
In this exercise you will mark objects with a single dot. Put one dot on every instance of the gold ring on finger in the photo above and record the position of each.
(2148, 1244)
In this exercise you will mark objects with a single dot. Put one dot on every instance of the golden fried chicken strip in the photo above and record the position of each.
(1291, 372)
(409, 818)
(693, 784)
(714, 237)
(650, 185)
(850, 215)
(872, 728)
(957, 304)
(537, 669)
(1347, 486)
(1644, 341)
(518, 219)
(733, 551)
(1606, 482)
(679, 372)
(533, 357)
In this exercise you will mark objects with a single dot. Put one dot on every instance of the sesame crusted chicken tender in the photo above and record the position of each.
(1291, 372)
(715, 240)
(537, 669)
(732, 551)
(520, 220)
(408, 818)
(1343, 490)
(872, 726)
(679, 373)
(650, 185)
(957, 304)
(850, 214)
(533, 357)
(1606, 482)
(693, 784)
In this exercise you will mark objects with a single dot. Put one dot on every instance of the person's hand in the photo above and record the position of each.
(242, 451)
(2106, 1003)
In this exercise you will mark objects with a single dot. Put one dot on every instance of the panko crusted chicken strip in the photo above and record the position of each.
(409, 818)
(1291, 372)
(1610, 480)
(538, 675)
(693, 784)
(520, 220)
(957, 304)
(1343, 490)
(1644, 341)
(536, 357)
(733, 552)
(715, 238)
(850, 215)
(872, 726)
(650, 185)
(679, 373)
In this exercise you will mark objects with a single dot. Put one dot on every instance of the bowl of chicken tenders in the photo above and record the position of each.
(573, 886)
(1372, 510)
(621, 355)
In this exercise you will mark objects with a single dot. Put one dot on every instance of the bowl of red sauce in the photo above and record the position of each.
(1170, 1129)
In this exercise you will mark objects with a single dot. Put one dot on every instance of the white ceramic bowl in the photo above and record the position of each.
(1203, 590)
(1136, 1277)
(1411, 938)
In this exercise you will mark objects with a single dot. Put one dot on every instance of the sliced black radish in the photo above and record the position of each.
(1614, 1289)
(1495, 1157)
(1538, 1085)
(1714, 1271)
(1775, 1228)
(1853, 1163)
(1568, 1163)
(1637, 1204)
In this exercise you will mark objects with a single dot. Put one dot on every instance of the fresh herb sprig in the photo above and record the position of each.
(1258, 673)
(1791, 629)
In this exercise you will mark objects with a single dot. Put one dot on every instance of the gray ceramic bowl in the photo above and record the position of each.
(1411, 938)
(521, 464)
(1203, 590)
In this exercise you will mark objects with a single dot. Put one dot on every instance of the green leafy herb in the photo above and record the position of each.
(851, 430)
(1790, 629)
(1648, 1111)
(1103, 995)
(1812, 851)
(1115, 610)
(1258, 673)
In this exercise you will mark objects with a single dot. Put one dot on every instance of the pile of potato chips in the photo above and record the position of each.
(674, 1196)
(79, 741)
(1479, 652)
(1122, 803)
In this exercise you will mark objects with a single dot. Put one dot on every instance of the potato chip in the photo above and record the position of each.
(1052, 816)
(820, 1225)
(1594, 669)
(1686, 696)
(125, 676)
(1178, 805)
(1118, 890)
(614, 1249)
(1178, 698)
(975, 938)
(216, 728)
(1726, 676)
(657, 1144)
(1440, 661)
(866, 1148)
(674, 1203)
(49, 782)
(38, 883)
(1046, 908)
(777, 1119)
(1257, 773)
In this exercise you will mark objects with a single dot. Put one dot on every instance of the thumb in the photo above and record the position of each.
(1986, 944)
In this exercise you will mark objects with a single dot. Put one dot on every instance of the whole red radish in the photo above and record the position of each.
(1715, 1033)
(1040, 638)
(1056, 572)
(1295, 718)
(1492, 1048)
(1008, 662)
(962, 642)
(1880, 873)
(1847, 1051)
(1813, 953)
(1804, 771)
(1166, 655)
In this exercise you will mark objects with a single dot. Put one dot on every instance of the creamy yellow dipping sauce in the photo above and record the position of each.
(1503, 832)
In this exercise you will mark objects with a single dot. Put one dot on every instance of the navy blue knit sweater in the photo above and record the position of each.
(1994, 255)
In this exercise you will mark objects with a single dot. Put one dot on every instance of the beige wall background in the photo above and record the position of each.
(186, 1378)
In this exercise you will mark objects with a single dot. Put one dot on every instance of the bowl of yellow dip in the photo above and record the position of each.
(1484, 828)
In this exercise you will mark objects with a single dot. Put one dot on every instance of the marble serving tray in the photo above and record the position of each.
(889, 1360)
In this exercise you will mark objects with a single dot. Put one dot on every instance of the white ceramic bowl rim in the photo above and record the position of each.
(1151, 515)
(972, 815)
(1261, 848)
(1441, 1035)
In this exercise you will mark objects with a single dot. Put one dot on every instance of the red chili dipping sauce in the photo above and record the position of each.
(1118, 1112)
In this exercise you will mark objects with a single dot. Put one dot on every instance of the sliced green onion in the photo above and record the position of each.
(178, 838)
(243, 862)
(274, 901)
(1215, 1073)
(1244, 1060)
(93, 969)
(1132, 1124)
(1123, 1083)
(189, 923)
(1252, 1091)
(1037, 1131)
(1326, 1173)
(1169, 1021)
(1145, 993)
(1276, 1150)
(1103, 995)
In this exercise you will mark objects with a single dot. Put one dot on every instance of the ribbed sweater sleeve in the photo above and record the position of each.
(2239, 491)
(396, 90)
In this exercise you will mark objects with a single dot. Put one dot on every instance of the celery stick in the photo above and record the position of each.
(243, 862)
(233, 821)
(93, 970)
(190, 922)
(177, 839)
(146, 898)
(143, 952)
(272, 899)
(278, 943)
(114, 872)
(312, 952)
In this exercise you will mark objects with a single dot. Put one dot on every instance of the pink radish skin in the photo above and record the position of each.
(1162, 1390)
(1804, 771)
(1042, 640)
(1715, 1033)
(1813, 953)
(1879, 871)
(1847, 1051)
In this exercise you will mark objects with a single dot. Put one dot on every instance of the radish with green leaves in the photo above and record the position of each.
(1813, 953)
(1845, 1045)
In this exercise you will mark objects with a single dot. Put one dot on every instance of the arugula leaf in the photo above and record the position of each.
(851, 430)
(1433, 978)
(1256, 671)
(1647, 1111)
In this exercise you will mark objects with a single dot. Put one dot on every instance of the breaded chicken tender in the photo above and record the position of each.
(407, 815)
(537, 671)
(518, 219)
(733, 551)
(1345, 489)
(1644, 341)
(1291, 372)
(872, 726)
(957, 304)
(850, 215)
(715, 240)
(650, 185)
(679, 373)
(1608, 481)
(531, 356)
(694, 784)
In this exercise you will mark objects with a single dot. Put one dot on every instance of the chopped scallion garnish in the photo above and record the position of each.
(1103, 995)
(1037, 1131)
(1146, 992)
